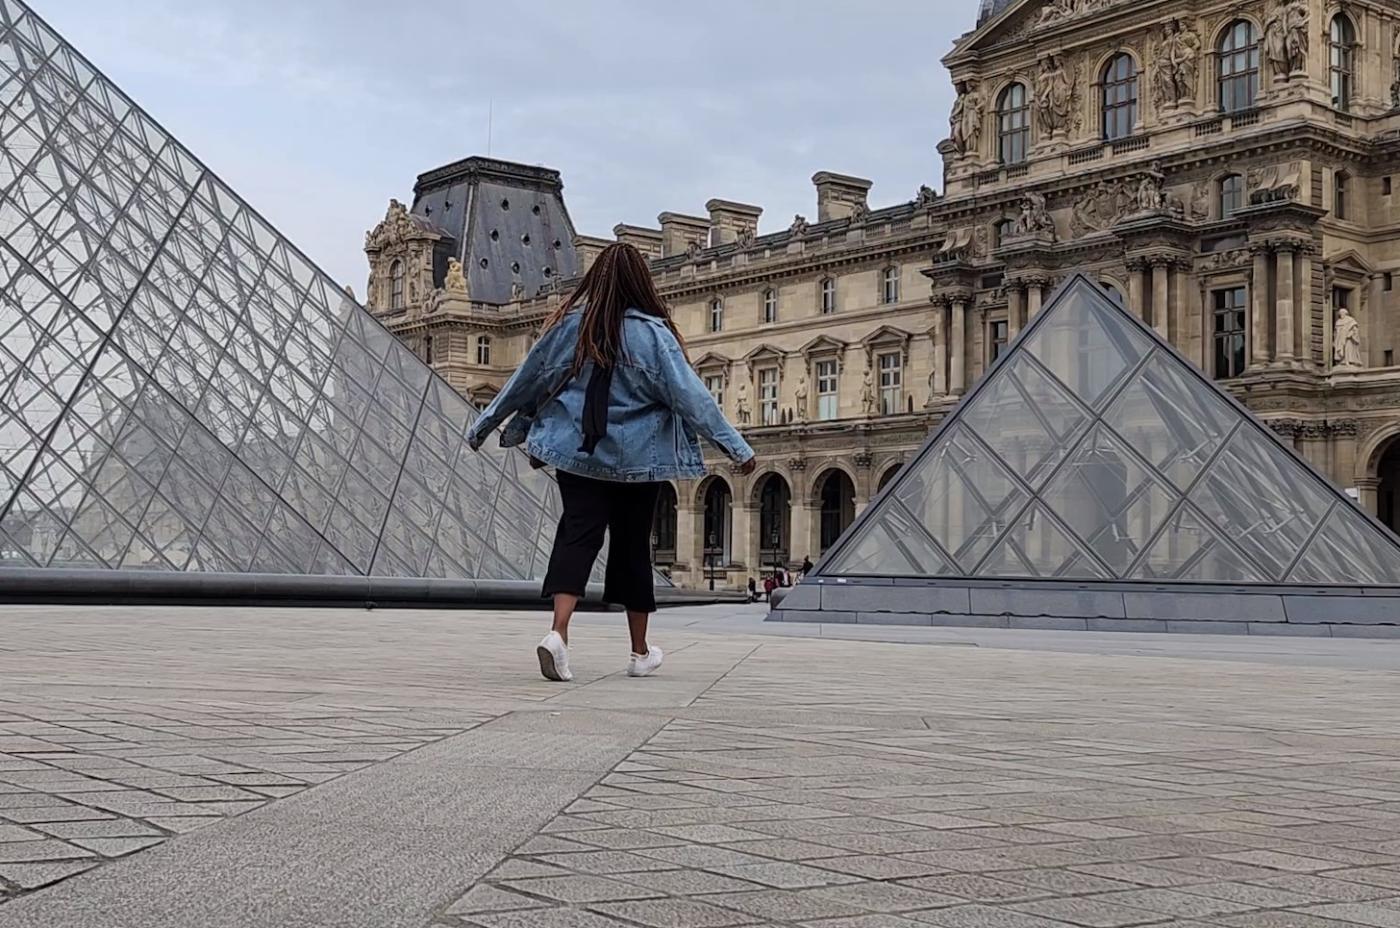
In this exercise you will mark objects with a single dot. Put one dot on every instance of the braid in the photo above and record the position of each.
(618, 280)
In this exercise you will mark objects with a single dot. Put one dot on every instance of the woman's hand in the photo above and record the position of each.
(749, 466)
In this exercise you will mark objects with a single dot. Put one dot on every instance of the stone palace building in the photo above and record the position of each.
(1225, 167)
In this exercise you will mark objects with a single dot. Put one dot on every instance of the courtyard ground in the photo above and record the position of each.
(266, 768)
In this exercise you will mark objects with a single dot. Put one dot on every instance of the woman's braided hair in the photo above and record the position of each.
(619, 280)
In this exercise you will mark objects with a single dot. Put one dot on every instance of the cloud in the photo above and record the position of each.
(318, 111)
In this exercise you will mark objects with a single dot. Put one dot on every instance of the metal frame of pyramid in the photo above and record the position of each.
(1096, 478)
(190, 409)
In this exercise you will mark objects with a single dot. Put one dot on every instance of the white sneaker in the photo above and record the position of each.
(639, 665)
(554, 658)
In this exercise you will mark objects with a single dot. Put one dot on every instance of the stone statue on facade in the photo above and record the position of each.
(517, 291)
(867, 393)
(741, 404)
(1054, 94)
(455, 283)
(800, 397)
(926, 196)
(967, 119)
(1177, 60)
(1035, 219)
(799, 224)
(1151, 195)
(1286, 38)
(1346, 340)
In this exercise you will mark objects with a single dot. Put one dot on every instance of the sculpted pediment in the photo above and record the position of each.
(1018, 20)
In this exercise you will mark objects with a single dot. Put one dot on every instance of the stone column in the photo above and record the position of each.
(1368, 490)
(1372, 319)
(1137, 287)
(1259, 307)
(804, 544)
(957, 348)
(1284, 306)
(690, 525)
(742, 550)
(1187, 322)
(939, 385)
(1303, 299)
(1015, 310)
(1161, 296)
(1035, 293)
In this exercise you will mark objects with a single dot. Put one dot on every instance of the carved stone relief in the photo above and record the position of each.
(1054, 98)
(966, 120)
(1286, 39)
(1177, 60)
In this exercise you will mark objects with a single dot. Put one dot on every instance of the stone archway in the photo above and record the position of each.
(773, 498)
(836, 498)
(717, 532)
(1388, 486)
(889, 474)
(663, 527)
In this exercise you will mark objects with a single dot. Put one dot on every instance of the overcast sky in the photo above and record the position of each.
(318, 111)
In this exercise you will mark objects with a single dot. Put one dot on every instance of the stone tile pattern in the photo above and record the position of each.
(83, 782)
(1024, 820)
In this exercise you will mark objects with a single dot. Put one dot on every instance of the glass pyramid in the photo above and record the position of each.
(182, 390)
(1093, 451)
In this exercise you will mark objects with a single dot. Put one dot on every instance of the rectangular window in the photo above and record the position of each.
(1228, 335)
(717, 315)
(1389, 358)
(1389, 281)
(1385, 186)
(889, 287)
(998, 331)
(770, 306)
(768, 395)
(891, 384)
(715, 384)
(827, 400)
(1341, 299)
(828, 296)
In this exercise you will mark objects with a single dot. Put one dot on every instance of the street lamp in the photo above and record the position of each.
(710, 554)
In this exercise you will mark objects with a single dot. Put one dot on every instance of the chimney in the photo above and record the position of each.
(839, 194)
(678, 231)
(588, 248)
(647, 241)
(730, 220)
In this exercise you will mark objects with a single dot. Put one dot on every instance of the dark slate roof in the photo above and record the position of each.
(507, 223)
(992, 8)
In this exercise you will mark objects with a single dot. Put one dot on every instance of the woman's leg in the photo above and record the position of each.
(629, 580)
(577, 542)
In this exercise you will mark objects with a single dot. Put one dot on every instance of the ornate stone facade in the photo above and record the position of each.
(1225, 166)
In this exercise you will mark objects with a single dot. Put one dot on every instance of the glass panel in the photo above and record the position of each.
(1026, 418)
(1348, 549)
(1171, 419)
(1263, 499)
(1188, 549)
(962, 495)
(1037, 547)
(893, 544)
(1087, 343)
(1109, 500)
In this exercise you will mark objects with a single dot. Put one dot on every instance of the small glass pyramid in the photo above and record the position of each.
(1092, 451)
(182, 390)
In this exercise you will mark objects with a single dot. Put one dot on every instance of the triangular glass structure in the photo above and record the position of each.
(1093, 451)
(182, 390)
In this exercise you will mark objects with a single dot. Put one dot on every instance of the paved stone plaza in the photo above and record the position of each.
(270, 768)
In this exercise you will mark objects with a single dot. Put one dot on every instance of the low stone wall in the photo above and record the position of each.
(1353, 612)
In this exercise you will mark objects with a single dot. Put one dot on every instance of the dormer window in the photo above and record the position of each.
(396, 286)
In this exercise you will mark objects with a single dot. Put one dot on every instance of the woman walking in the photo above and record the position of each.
(608, 398)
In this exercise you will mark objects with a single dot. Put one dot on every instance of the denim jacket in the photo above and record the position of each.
(656, 407)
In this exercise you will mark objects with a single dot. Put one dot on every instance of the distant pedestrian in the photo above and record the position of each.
(768, 585)
(753, 590)
(608, 397)
(806, 567)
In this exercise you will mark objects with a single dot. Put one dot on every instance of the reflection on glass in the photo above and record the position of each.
(1348, 549)
(1027, 419)
(1037, 547)
(1188, 549)
(1088, 343)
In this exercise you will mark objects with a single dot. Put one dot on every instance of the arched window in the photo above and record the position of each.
(1004, 230)
(1013, 125)
(717, 314)
(1231, 195)
(1239, 67)
(770, 305)
(889, 285)
(396, 285)
(427, 349)
(1340, 184)
(1342, 61)
(828, 296)
(1120, 97)
(483, 349)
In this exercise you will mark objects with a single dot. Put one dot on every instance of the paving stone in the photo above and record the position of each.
(1359, 913)
(9, 833)
(688, 882)
(36, 851)
(34, 876)
(605, 862)
(1375, 876)
(63, 813)
(981, 916)
(578, 889)
(977, 888)
(546, 918)
(890, 897)
(1277, 918)
(1327, 887)
(516, 868)
(1275, 860)
(623, 839)
(1063, 882)
(487, 898)
(866, 921)
(786, 849)
(1252, 894)
(102, 828)
(673, 913)
(1092, 911)
(786, 905)
(784, 875)
(1179, 904)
